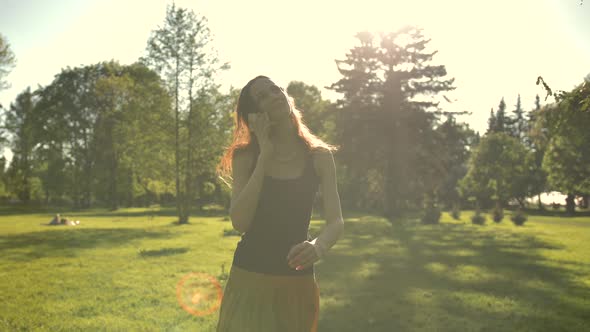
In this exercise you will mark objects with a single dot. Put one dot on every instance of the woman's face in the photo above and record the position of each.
(271, 99)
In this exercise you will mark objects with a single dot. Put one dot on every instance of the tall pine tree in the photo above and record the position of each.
(386, 131)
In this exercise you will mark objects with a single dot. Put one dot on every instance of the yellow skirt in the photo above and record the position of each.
(257, 302)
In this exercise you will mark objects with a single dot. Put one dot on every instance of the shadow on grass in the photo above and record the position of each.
(8, 210)
(447, 277)
(26, 247)
(162, 252)
(167, 212)
(559, 213)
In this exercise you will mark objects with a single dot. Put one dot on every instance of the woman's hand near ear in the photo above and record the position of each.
(259, 123)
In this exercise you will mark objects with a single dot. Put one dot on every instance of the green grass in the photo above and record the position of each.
(118, 271)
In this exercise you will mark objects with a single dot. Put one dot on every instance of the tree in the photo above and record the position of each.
(497, 170)
(104, 135)
(129, 101)
(317, 112)
(456, 139)
(7, 61)
(567, 157)
(20, 124)
(499, 123)
(491, 122)
(517, 123)
(536, 142)
(386, 133)
(180, 52)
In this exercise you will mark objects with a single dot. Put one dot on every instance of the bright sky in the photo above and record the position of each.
(493, 49)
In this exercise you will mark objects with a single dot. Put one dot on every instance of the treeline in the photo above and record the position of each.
(101, 135)
(152, 132)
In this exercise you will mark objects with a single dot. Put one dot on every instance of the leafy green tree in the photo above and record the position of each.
(567, 157)
(20, 124)
(7, 62)
(67, 112)
(318, 113)
(212, 126)
(131, 100)
(456, 139)
(104, 135)
(497, 170)
(180, 52)
(536, 142)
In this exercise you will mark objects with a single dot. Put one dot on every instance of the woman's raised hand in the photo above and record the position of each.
(259, 123)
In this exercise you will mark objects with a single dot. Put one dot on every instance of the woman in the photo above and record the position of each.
(277, 166)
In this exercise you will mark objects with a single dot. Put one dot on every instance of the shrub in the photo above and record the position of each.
(431, 215)
(456, 212)
(478, 218)
(518, 218)
(498, 214)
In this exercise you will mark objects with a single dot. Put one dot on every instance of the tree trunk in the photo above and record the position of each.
(570, 204)
(188, 189)
(179, 196)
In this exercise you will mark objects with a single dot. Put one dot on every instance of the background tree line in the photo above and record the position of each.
(152, 132)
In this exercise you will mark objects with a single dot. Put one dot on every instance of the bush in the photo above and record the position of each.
(518, 218)
(497, 214)
(478, 218)
(431, 215)
(456, 213)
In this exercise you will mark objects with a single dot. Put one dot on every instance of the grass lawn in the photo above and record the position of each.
(118, 271)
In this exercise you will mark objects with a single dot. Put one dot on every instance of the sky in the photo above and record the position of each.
(493, 49)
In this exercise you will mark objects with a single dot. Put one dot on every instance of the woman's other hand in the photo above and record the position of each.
(302, 255)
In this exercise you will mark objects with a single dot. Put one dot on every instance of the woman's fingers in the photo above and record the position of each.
(305, 263)
(303, 258)
(295, 250)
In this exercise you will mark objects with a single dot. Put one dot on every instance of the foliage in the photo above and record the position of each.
(456, 140)
(180, 51)
(384, 82)
(496, 170)
(565, 130)
(318, 113)
(478, 218)
(431, 215)
(456, 212)
(7, 62)
(21, 124)
(497, 214)
(518, 218)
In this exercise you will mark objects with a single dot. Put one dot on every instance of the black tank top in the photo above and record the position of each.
(281, 220)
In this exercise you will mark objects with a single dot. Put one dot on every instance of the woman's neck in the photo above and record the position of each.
(285, 137)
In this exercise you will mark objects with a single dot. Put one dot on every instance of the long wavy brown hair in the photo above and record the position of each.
(243, 140)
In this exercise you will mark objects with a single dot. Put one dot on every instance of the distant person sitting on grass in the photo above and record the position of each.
(67, 222)
(63, 221)
(55, 221)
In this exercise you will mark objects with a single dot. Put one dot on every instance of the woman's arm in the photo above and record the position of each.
(245, 189)
(332, 210)
(305, 254)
